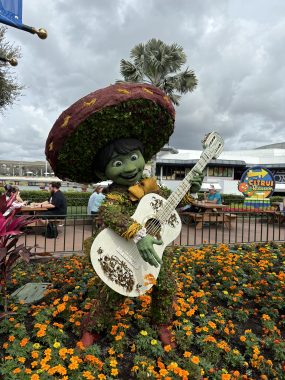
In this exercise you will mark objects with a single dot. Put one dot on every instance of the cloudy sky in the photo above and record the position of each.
(235, 47)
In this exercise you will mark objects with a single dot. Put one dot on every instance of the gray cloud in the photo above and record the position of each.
(235, 49)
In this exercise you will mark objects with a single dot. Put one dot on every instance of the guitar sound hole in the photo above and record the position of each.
(153, 228)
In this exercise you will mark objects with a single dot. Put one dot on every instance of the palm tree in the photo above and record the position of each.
(159, 64)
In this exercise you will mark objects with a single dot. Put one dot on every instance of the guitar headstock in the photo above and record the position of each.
(214, 143)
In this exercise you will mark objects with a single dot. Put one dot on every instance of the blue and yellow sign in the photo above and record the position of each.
(257, 184)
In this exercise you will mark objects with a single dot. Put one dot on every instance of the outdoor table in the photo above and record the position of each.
(208, 207)
(210, 213)
(33, 209)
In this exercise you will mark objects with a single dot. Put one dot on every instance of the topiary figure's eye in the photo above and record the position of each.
(117, 163)
(134, 157)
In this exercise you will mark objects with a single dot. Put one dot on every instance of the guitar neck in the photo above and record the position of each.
(174, 199)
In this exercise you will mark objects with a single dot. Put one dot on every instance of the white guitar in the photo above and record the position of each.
(118, 262)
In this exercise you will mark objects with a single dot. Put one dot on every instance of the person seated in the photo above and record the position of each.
(18, 199)
(213, 196)
(190, 207)
(8, 191)
(56, 204)
(12, 193)
(95, 200)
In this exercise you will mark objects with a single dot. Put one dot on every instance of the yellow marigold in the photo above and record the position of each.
(113, 363)
(114, 372)
(36, 346)
(101, 376)
(135, 368)
(56, 345)
(153, 342)
(73, 365)
(21, 359)
(115, 197)
(88, 375)
(187, 354)
(143, 332)
(265, 317)
(111, 351)
(172, 366)
(195, 360)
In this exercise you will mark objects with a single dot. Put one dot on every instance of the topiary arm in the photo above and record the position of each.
(117, 215)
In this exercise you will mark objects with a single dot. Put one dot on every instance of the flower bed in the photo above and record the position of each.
(229, 322)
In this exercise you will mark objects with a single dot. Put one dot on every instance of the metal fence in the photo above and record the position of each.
(224, 227)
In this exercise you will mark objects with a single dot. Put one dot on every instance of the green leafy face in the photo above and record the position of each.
(125, 169)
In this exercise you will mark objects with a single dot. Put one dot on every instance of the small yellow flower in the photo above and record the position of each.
(143, 332)
(56, 345)
(36, 346)
(153, 342)
(114, 372)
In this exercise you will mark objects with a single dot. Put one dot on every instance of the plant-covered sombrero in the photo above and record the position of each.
(128, 110)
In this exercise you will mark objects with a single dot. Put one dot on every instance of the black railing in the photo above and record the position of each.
(197, 229)
(228, 227)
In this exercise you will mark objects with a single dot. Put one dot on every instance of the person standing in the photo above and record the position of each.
(95, 200)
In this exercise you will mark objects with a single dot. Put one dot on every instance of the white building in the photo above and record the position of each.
(226, 171)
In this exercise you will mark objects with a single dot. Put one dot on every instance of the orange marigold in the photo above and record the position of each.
(226, 376)
(35, 377)
(24, 341)
(167, 348)
(195, 360)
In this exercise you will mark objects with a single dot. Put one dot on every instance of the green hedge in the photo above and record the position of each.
(73, 198)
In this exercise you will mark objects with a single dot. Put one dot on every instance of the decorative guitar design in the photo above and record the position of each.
(118, 262)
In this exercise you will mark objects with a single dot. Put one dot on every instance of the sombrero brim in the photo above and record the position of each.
(126, 110)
